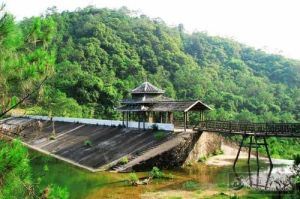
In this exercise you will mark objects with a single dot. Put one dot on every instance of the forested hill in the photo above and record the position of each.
(102, 54)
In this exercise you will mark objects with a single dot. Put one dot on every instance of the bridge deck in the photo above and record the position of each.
(257, 129)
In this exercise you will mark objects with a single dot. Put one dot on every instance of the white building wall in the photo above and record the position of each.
(131, 124)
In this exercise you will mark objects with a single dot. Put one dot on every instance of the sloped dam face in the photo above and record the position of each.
(97, 148)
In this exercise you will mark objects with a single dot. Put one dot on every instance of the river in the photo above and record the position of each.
(194, 181)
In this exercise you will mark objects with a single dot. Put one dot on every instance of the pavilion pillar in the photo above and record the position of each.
(187, 119)
(150, 117)
(166, 117)
(171, 117)
(161, 117)
(123, 119)
(127, 117)
(144, 118)
(139, 119)
(184, 121)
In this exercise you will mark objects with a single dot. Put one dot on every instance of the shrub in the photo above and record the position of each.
(58, 192)
(87, 143)
(218, 152)
(155, 127)
(190, 185)
(159, 135)
(234, 197)
(52, 137)
(157, 173)
(121, 126)
(296, 159)
(188, 163)
(123, 160)
(202, 158)
(133, 178)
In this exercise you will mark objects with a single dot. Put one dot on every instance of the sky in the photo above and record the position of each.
(270, 25)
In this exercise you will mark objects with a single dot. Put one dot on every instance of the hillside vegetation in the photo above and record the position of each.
(102, 54)
(94, 57)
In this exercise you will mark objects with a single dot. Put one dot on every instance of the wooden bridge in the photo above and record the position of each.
(252, 131)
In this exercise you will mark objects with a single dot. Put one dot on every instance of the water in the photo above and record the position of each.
(83, 184)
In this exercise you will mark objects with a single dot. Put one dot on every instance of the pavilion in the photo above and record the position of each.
(148, 104)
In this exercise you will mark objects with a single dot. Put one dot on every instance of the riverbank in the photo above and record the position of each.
(229, 151)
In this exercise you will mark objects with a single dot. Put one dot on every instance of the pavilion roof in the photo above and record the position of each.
(167, 106)
(147, 87)
(146, 99)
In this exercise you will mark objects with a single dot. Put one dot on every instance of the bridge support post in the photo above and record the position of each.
(268, 153)
(257, 159)
(238, 154)
(249, 151)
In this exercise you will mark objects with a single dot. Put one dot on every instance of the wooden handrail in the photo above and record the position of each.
(271, 129)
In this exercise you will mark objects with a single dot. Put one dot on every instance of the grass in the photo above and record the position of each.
(158, 174)
(202, 158)
(154, 127)
(296, 159)
(133, 178)
(191, 185)
(159, 135)
(218, 152)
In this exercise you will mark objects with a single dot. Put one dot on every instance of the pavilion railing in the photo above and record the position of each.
(269, 129)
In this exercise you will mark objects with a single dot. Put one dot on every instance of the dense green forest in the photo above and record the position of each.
(93, 57)
(102, 54)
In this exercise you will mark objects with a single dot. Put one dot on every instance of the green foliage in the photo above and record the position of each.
(159, 135)
(25, 57)
(98, 63)
(94, 57)
(15, 171)
(218, 152)
(87, 143)
(296, 158)
(234, 197)
(191, 185)
(57, 192)
(154, 127)
(16, 174)
(123, 160)
(158, 174)
(133, 178)
(202, 158)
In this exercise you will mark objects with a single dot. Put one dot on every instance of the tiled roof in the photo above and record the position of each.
(146, 99)
(167, 106)
(147, 87)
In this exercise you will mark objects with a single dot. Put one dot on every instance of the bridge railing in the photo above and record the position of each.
(280, 129)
